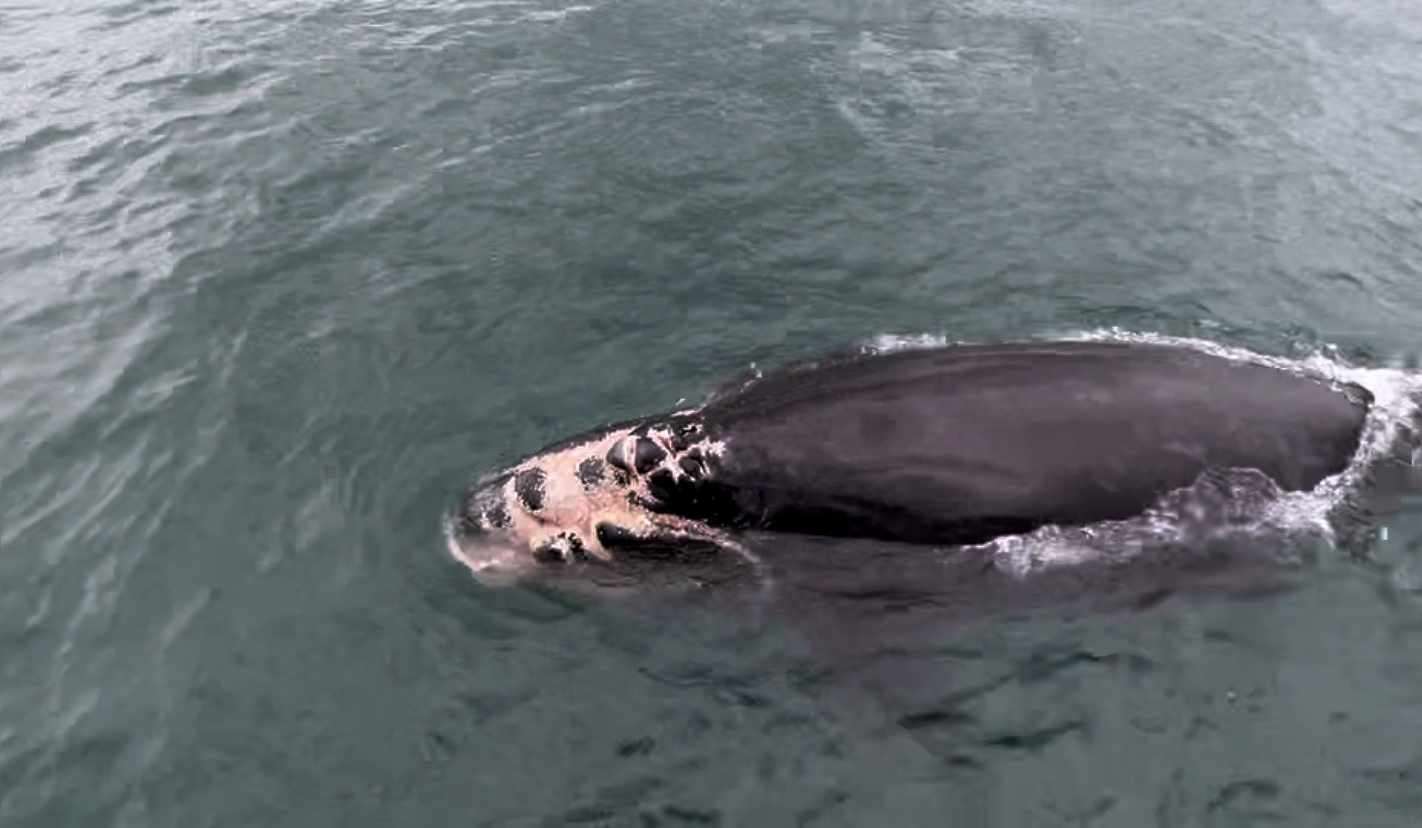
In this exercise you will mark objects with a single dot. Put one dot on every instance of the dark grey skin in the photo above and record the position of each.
(941, 447)
(963, 444)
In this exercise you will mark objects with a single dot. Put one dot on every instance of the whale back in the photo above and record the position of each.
(964, 443)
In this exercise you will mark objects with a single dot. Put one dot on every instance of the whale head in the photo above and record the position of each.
(608, 508)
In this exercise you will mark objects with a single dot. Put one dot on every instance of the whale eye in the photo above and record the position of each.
(529, 486)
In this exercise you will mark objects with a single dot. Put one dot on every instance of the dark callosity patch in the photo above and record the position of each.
(617, 457)
(647, 455)
(691, 466)
(496, 515)
(485, 508)
(591, 472)
(662, 485)
(528, 485)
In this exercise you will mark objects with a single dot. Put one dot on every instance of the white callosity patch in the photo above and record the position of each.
(1393, 414)
(577, 489)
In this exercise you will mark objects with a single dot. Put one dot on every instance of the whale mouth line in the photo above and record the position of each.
(660, 547)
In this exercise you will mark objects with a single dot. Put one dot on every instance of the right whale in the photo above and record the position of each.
(943, 447)
(876, 500)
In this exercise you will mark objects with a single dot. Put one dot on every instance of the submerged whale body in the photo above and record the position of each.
(942, 447)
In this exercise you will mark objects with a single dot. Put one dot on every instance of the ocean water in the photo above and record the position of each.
(277, 280)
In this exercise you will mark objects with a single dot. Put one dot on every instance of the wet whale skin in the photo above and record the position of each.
(965, 443)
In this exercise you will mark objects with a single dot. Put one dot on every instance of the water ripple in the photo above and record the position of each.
(276, 279)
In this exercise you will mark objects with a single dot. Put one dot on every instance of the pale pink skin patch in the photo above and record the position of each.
(571, 507)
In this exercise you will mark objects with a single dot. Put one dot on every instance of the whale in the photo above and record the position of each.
(879, 506)
(824, 464)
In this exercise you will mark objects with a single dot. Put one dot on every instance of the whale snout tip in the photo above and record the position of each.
(493, 560)
(476, 535)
